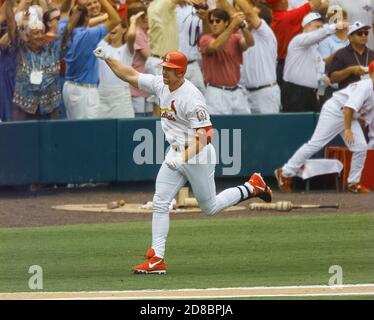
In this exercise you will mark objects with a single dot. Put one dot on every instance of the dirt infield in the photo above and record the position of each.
(212, 293)
(27, 209)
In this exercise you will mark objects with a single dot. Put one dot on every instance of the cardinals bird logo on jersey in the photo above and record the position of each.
(169, 113)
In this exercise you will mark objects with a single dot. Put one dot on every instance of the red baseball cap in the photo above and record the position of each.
(175, 60)
(371, 66)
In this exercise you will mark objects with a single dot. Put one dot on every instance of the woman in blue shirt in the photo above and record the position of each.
(80, 93)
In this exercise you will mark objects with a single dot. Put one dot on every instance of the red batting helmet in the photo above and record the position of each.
(175, 60)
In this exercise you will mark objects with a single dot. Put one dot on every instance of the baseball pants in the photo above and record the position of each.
(330, 124)
(201, 178)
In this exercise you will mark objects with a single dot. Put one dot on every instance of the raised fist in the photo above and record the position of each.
(100, 53)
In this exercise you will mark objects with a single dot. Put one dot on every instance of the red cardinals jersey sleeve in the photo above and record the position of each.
(150, 83)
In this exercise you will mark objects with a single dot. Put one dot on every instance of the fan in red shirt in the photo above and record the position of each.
(286, 24)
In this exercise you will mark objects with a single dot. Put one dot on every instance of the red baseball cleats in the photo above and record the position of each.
(358, 188)
(153, 265)
(284, 183)
(261, 190)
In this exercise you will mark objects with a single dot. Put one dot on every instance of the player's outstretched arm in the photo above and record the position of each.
(123, 71)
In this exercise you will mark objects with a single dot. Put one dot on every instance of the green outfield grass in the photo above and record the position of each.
(201, 253)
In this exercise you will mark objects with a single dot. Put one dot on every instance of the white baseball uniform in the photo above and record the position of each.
(360, 97)
(182, 112)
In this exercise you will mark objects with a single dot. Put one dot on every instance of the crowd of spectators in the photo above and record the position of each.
(245, 56)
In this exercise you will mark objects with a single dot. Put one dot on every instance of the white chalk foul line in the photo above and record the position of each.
(209, 293)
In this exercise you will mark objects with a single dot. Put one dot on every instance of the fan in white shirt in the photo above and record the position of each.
(115, 95)
(304, 68)
(259, 64)
(190, 29)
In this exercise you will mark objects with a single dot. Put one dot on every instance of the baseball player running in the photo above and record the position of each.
(187, 127)
(339, 115)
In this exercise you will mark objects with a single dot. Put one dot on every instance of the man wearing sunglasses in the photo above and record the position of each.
(350, 63)
(222, 54)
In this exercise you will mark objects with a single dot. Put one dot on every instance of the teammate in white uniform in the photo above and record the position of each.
(191, 158)
(339, 115)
